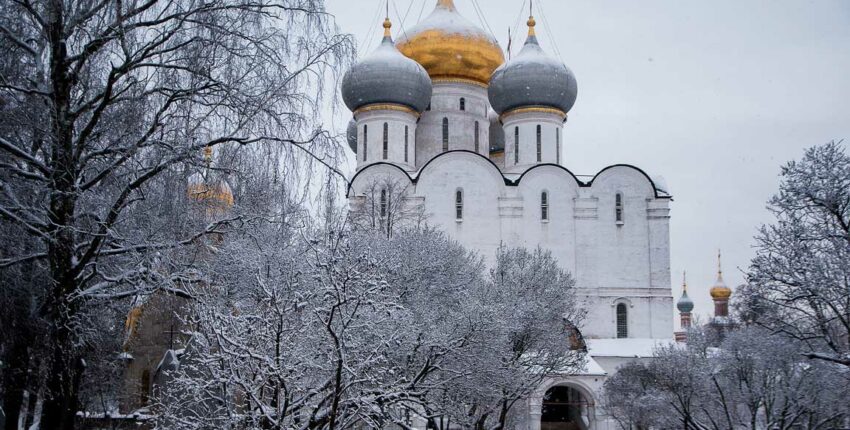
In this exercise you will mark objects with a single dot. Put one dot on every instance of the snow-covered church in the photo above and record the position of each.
(476, 140)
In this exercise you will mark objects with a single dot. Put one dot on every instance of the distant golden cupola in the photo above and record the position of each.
(720, 291)
(451, 48)
(212, 192)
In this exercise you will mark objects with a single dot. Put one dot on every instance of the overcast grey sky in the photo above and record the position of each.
(713, 95)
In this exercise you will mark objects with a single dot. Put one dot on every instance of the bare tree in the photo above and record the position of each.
(799, 282)
(387, 206)
(754, 380)
(102, 101)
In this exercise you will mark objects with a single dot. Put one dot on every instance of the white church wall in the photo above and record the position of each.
(396, 122)
(556, 234)
(445, 103)
(526, 123)
(482, 187)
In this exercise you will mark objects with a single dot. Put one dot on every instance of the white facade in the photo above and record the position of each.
(609, 230)
(613, 262)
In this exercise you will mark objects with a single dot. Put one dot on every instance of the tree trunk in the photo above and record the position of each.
(15, 380)
(61, 403)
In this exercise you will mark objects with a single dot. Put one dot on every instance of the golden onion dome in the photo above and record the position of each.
(214, 193)
(720, 291)
(451, 48)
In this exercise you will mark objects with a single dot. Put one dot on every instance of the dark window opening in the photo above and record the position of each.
(459, 205)
(386, 139)
(622, 321)
(539, 144)
(445, 134)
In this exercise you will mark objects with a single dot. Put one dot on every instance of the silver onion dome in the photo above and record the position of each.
(351, 135)
(387, 77)
(532, 78)
(685, 304)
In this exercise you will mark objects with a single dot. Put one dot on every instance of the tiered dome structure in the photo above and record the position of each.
(387, 92)
(451, 48)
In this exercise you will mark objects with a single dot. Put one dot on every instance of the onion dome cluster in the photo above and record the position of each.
(532, 79)
(386, 77)
(452, 48)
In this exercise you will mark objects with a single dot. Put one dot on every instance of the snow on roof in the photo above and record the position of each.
(634, 347)
(592, 368)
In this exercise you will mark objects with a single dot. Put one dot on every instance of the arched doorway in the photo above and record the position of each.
(564, 408)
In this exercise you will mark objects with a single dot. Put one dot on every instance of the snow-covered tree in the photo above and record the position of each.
(368, 330)
(753, 380)
(105, 107)
(799, 282)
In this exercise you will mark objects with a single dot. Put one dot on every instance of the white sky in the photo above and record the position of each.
(713, 95)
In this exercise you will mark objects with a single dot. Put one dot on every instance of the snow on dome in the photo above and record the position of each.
(532, 78)
(386, 77)
(450, 47)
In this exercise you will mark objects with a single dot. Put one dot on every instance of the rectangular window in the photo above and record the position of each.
(539, 144)
(459, 205)
(386, 139)
(618, 208)
(365, 141)
(445, 134)
(544, 206)
(557, 146)
(516, 145)
(405, 144)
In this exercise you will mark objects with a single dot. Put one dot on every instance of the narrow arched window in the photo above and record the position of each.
(386, 139)
(622, 321)
(365, 141)
(618, 208)
(539, 143)
(429, 107)
(405, 143)
(557, 146)
(383, 203)
(462, 103)
(459, 204)
(476, 137)
(516, 145)
(544, 206)
(445, 134)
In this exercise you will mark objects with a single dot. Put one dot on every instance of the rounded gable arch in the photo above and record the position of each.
(625, 170)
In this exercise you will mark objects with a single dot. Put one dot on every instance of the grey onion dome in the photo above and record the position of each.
(532, 78)
(351, 135)
(685, 304)
(386, 76)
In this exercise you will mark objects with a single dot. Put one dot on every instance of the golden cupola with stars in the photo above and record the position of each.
(451, 48)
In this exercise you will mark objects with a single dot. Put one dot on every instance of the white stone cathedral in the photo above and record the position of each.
(477, 143)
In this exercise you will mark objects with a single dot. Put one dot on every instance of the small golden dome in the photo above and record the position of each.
(451, 48)
(720, 291)
(216, 194)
